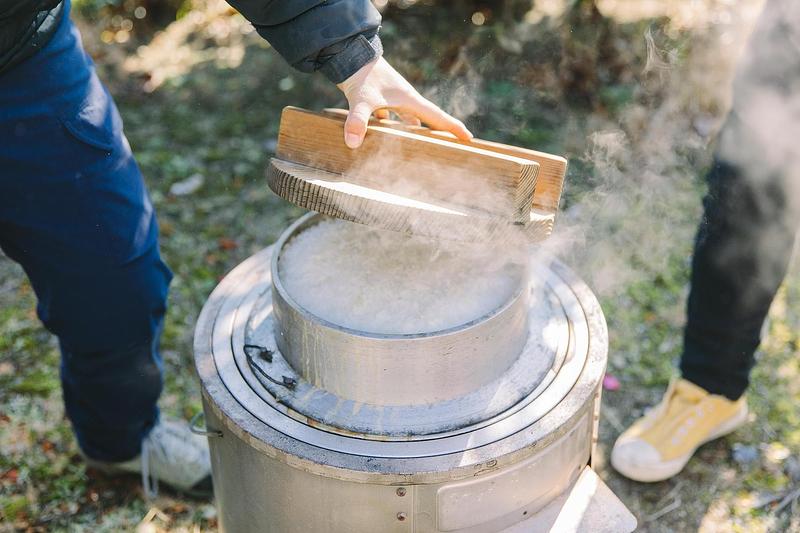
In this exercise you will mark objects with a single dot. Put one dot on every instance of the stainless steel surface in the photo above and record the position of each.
(544, 350)
(256, 492)
(588, 506)
(498, 499)
(281, 467)
(237, 294)
(396, 370)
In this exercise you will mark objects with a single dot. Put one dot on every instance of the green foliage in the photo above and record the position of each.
(39, 382)
(13, 506)
(614, 97)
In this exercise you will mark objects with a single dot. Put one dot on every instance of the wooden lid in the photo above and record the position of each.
(415, 180)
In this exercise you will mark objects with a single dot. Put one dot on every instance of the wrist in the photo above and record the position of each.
(357, 53)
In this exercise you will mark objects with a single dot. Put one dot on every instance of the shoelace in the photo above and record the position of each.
(683, 399)
(149, 482)
(156, 447)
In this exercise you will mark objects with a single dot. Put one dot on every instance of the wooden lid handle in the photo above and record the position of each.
(552, 168)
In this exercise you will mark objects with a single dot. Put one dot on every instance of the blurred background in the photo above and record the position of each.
(631, 91)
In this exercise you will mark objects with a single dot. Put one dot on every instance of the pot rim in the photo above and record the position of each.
(306, 222)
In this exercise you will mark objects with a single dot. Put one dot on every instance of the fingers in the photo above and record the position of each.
(410, 119)
(377, 88)
(437, 119)
(417, 111)
(355, 127)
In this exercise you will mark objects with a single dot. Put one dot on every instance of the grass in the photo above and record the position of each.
(213, 110)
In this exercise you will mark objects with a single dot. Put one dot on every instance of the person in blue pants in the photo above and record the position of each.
(75, 213)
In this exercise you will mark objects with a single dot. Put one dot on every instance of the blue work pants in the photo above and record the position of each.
(75, 213)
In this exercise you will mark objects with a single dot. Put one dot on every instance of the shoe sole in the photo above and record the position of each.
(202, 490)
(668, 469)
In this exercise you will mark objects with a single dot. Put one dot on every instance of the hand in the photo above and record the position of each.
(378, 88)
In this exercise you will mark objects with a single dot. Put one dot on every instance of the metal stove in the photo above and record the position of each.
(486, 427)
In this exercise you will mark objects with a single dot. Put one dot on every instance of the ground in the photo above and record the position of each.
(631, 93)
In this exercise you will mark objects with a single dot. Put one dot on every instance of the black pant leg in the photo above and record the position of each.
(742, 251)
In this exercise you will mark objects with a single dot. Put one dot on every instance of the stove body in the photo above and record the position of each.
(488, 427)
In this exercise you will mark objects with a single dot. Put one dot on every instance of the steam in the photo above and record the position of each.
(646, 166)
(655, 61)
(386, 282)
(761, 139)
(643, 207)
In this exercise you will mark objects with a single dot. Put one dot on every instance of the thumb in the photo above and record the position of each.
(355, 127)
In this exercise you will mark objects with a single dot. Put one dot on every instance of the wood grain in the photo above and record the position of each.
(552, 168)
(426, 167)
(326, 193)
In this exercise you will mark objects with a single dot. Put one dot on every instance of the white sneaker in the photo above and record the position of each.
(172, 454)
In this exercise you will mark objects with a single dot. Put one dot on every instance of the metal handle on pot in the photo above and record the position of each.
(195, 428)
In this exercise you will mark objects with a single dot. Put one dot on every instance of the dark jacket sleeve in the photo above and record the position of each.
(336, 37)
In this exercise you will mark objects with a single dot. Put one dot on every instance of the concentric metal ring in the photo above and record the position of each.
(239, 291)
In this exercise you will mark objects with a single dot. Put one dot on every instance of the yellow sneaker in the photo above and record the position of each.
(658, 445)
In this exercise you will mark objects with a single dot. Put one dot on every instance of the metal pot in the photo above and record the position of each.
(413, 367)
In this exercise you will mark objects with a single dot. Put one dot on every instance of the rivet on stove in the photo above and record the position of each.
(401, 491)
(289, 382)
(401, 516)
